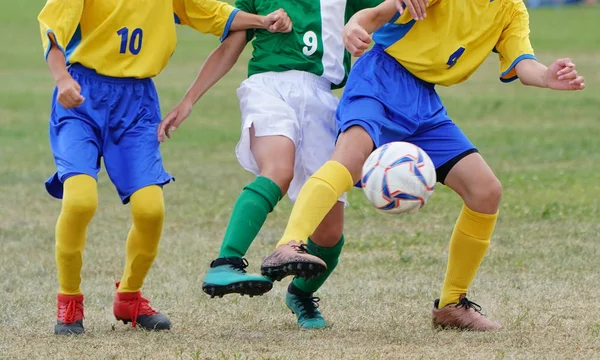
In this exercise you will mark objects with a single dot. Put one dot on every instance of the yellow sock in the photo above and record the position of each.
(317, 197)
(468, 245)
(148, 212)
(80, 200)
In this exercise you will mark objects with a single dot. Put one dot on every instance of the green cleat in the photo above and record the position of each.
(227, 276)
(305, 306)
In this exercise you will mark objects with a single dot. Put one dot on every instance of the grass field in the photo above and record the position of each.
(540, 276)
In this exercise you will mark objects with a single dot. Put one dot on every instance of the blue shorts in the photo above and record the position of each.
(117, 121)
(391, 104)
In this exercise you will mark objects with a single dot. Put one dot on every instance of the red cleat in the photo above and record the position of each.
(132, 307)
(69, 318)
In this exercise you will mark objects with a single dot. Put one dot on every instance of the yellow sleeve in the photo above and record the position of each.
(59, 19)
(514, 45)
(207, 16)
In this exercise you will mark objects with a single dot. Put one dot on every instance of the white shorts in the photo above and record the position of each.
(294, 104)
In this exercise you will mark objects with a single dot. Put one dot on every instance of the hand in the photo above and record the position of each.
(69, 93)
(278, 21)
(356, 39)
(562, 76)
(173, 119)
(417, 8)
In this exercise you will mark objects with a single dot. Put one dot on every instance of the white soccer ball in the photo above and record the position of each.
(398, 178)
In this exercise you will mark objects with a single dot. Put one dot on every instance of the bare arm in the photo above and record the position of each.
(561, 75)
(69, 91)
(373, 19)
(277, 21)
(218, 63)
(57, 64)
(357, 33)
(532, 73)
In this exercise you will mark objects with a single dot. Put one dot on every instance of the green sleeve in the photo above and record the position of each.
(247, 6)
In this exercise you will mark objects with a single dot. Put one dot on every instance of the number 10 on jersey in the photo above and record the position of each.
(134, 42)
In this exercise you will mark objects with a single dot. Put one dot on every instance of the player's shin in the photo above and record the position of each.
(468, 245)
(148, 210)
(79, 203)
(330, 255)
(249, 213)
(226, 274)
(315, 200)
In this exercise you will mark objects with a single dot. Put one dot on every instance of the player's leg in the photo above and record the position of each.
(316, 199)
(75, 146)
(274, 158)
(319, 131)
(267, 149)
(80, 199)
(134, 164)
(326, 243)
(481, 191)
(459, 166)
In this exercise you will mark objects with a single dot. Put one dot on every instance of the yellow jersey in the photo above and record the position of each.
(127, 38)
(456, 37)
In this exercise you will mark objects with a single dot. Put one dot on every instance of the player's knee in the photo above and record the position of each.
(81, 206)
(488, 193)
(147, 207)
(280, 174)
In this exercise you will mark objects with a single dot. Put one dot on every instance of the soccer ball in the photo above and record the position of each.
(398, 178)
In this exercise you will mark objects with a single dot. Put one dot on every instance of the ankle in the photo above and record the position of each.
(294, 290)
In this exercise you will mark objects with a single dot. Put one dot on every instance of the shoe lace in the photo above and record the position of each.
(468, 304)
(300, 248)
(309, 305)
(69, 313)
(140, 306)
(239, 265)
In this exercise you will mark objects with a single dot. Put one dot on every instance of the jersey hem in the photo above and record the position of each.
(503, 77)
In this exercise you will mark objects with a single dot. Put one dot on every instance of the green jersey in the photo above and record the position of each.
(315, 43)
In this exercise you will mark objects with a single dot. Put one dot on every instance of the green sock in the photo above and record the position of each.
(331, 257)
(250, 211)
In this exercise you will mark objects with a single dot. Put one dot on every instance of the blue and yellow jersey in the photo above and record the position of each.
(127, 38)
(457, 36)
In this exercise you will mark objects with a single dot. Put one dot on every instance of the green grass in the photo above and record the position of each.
(539, 278)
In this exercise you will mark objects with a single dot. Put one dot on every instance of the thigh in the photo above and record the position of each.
(274, 156)
(263, 107)
(318, 135)
(131, 152)
(445, 144)
(75, 145)
(75, 142)
(269, 126)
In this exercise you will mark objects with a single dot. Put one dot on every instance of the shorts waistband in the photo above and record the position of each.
(379, 49)
(296, 76)
(91, 73)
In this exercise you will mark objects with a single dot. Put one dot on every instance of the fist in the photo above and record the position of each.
(356, 39)
(69, 93)
(278, 21)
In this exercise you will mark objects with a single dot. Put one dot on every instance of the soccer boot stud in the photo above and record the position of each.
(228, 276)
